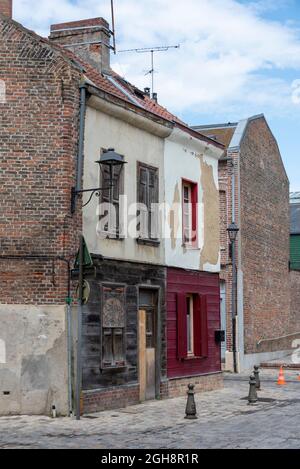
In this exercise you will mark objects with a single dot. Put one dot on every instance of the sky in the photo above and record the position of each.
(237, 58)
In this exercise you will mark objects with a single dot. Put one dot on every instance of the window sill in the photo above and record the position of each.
(113, 367)
(187, 359)
(188, 247)
(148, 242)
(112, 237)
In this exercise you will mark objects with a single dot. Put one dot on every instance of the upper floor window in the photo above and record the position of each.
(148, 199)
(110, 214)
(192, 325)
(189, 213)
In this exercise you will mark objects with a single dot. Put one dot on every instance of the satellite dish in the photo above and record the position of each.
(85, 293)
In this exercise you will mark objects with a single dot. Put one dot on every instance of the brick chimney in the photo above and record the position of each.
(88, 39)
(6, 7)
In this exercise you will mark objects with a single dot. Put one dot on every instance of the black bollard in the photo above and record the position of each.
(257, 379)
(252, 398)
(191, 411)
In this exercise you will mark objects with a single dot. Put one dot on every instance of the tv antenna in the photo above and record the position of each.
(113, 26)
(152, 51)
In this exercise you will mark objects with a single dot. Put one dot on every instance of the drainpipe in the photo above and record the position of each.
(79, 169)
(78, 187)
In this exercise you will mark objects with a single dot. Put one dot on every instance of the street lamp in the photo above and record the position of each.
(108, 158)
(233, 231)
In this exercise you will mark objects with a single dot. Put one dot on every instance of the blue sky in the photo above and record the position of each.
(237, 57)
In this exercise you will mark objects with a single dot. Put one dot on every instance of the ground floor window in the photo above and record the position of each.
(113, 327)
(190, 324)
(192, 328)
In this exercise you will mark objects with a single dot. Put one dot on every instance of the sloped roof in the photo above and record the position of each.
(221, 133)
(295, 197)
(115, 85)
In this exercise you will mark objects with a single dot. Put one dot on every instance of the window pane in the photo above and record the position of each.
(190, 325)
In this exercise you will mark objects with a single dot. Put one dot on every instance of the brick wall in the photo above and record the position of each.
(38, 134)
(225, 186)
(111, 398)
(178, 387)
(6, 8)
(265, 237)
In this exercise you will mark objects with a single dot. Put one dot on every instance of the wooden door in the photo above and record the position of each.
(147, 345)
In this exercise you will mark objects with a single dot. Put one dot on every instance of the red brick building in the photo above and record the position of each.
(39, 136)
(254, 192)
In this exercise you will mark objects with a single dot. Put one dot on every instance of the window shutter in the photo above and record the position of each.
(200, 326)
(143, 200)
(154, 198)
(181, 326)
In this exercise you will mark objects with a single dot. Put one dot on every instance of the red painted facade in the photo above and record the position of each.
(206, 288)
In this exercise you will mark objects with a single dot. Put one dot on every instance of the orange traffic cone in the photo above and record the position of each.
(281, 380)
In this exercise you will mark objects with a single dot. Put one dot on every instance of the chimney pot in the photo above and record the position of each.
(154, 97)
(6, 7)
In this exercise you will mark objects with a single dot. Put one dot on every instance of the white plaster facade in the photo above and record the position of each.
(140, 140)
(187, 157)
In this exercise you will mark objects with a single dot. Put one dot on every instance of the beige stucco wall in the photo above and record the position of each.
(33, 362)
(104, 130)
(188, 158)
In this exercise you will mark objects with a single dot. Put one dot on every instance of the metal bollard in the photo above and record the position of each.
(257, 379)
(191, 411)
(252, 398)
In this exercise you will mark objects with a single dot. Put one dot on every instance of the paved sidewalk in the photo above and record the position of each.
(225, 421)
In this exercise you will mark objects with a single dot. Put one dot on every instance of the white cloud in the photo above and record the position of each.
(296, 91)
(227, 57)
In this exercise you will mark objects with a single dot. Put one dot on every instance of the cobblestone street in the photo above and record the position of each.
(225, 421)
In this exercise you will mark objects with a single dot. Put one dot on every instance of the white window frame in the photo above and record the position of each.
(187, 211)
(190, 325)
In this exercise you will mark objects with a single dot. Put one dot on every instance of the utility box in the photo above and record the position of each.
(220, 336)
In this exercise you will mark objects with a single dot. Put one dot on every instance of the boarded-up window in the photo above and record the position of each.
(113, 327)
(148, 198)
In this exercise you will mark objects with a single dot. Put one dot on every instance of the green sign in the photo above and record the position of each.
(87, 258)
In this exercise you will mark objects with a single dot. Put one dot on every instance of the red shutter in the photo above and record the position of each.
(181, 326)
(200, 326)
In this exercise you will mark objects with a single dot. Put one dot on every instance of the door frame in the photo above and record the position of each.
(157, 289)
